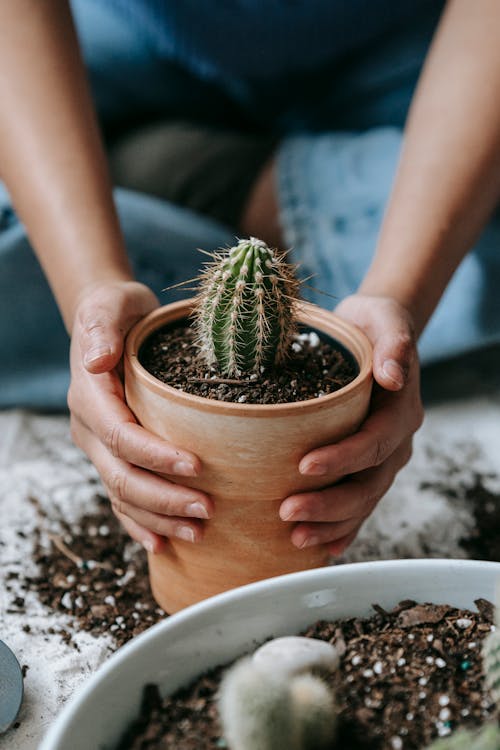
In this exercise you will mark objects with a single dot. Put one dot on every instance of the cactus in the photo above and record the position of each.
(265, 710)
(491, 655)
(487, 738)
(244, 316)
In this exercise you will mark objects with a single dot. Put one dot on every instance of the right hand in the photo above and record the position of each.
(126, 455)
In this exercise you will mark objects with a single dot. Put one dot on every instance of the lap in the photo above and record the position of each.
(162, 242)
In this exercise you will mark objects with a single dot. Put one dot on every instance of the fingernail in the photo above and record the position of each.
(393, 371)
(96, 353)
(148, 546)
(184, 469)
(197, 510)
(309, 541)
(186, 533)
(313, 468)
(288, 511)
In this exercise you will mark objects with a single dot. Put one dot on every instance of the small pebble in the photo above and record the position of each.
(396, 743)
(440, 663)
(463, 623)
(378, 667)
(444, 700)
(67, 601)
(444, 714)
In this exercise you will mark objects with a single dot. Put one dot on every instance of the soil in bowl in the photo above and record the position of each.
(317, 365)
(406, 677)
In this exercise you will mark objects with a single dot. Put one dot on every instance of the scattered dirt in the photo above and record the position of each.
(406, 677)
(484, 542)
(314, 368)
(93, 573)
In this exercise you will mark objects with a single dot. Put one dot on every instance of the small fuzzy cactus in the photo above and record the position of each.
(244, 317)
(262, 710)
(276, 701)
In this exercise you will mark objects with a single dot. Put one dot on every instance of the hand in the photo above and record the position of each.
(124, 453)
(360, 469)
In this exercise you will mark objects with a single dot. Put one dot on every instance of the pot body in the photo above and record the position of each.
(250, 456)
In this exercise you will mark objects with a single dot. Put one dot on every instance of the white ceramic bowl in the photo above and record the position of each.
(219, 629)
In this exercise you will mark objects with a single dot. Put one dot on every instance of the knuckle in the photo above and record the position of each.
(113, 438)
(381, 450)
(117, 483)
(118, 507)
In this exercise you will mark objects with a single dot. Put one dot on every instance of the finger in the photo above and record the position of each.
(165, 526)
(104, 317)
(143, 489)
(111, 420)
(153, 543)
(312, 534)
(337, 547)
(354, 497)
(389, 327)
(379, 436)
(394, 354)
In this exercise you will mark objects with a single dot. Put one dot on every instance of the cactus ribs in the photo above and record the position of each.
(244, 344)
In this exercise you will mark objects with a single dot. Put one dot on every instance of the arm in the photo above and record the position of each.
(447, 185)
(52, 161)
(448, 181)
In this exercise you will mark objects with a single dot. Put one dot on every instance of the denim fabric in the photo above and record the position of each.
(333, 189)
(162, 242)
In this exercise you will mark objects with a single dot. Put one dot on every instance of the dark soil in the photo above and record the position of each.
(405, 677)
(93, 573)
(172, 356)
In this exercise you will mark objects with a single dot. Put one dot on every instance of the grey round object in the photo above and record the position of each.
(11, 687)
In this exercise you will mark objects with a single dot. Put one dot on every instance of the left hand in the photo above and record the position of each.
(359, 470)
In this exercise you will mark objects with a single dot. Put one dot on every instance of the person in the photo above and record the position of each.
(310, 138)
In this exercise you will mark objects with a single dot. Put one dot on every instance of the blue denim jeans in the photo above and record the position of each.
(332, 188)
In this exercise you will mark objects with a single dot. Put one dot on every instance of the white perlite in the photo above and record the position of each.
(38, 459)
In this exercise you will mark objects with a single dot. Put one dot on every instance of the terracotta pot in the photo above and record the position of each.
(250, 455)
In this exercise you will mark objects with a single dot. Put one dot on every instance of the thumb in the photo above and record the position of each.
(394, 352)
(389, 326)
(103, 320)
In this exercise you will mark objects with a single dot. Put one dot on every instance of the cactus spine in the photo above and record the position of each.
(244, 317)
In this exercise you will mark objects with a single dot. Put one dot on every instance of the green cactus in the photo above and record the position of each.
(487, 738)
(244, 316)
(266, 710)
(491, 656)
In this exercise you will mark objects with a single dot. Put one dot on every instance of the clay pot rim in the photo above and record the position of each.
(346, 333)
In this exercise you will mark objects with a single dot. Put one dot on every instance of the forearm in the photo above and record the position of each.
(51, 157)
(448, 180)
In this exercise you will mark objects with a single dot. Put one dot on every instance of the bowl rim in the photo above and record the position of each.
(316, 577)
